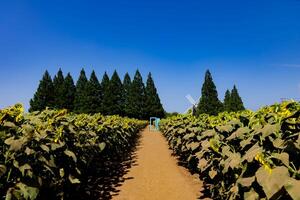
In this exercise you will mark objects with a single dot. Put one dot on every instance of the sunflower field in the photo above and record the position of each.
(49, 152)
(241, 155)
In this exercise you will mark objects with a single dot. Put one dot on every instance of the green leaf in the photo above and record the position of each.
(188, 136)
(73, 180)
(61, 172)
(23, 168)
(193, 145)
(251, 195)
(102, 146)
(278, 143)
(225, 128)
(284, 157)
(45, 148)
(268, 129)
(212, 173)
(9, 124)
(233, 162)
(208, 133)
(246, 182)
(274, 181)
(2, 170)
(292, 187)
(246, 142)
(15, 145)
(27, 192)
(71, 154)
(29, 151)
(55, 146)
(239, 133)
(202, 164)
(251, 153)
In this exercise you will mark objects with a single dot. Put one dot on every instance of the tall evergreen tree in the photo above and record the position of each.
(236, 103)
(153, 106)
(81, 101)
(94, 94)
(136, 98)
(43, 97)
(113, 102)
(126, 88)
(69, 92)
(227, 101)
(105, 92)
(59, 93)
(209, 102)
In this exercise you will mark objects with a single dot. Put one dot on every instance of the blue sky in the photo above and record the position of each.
(253, 44)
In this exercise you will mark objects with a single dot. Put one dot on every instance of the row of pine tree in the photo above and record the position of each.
(111, 96)
(209, 102)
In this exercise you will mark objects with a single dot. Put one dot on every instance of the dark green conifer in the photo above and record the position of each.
(209, 102)
(113, 99)
(43, 97)
(227, 101)
(94, 94)
(126, 88)
(81, 103)
(105, 92)
(59, 90)
(136, 98)
(69, 89)
(153, 106)
(236, 103)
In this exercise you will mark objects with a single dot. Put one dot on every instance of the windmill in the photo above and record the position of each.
(194, 104)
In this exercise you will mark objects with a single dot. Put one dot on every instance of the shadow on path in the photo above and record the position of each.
(106, 175)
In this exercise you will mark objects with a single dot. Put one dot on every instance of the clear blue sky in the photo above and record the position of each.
(253, 44)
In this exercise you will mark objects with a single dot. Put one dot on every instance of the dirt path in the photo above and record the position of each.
(156, 175)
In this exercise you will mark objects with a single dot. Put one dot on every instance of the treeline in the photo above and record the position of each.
(110, 96)
(209, 102)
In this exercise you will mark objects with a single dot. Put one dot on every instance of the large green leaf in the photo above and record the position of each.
(292, 187)
(71, 154)
(15, 144)
(246, 182)
(251, 195)
(268, 129)
(272, 182)
(239, 133)
(252, 152)
(26, 191)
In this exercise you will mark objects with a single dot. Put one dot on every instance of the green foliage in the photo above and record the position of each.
(69, 93)
(209, 102)
(44, 96)
(232, 101)
(113, 97)
(236, 103)
(105, 89)
(153, 107)
(241, 155)
(94, 94)
(110, 97)
(59, 90)
(49, 152)
(126, 88)
(227, 101)
(136, 98)
(81, 101)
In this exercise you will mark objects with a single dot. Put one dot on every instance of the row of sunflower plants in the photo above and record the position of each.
(47, 153)
(242, 155)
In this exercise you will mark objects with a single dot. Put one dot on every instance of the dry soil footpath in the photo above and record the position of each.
(156, 175)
